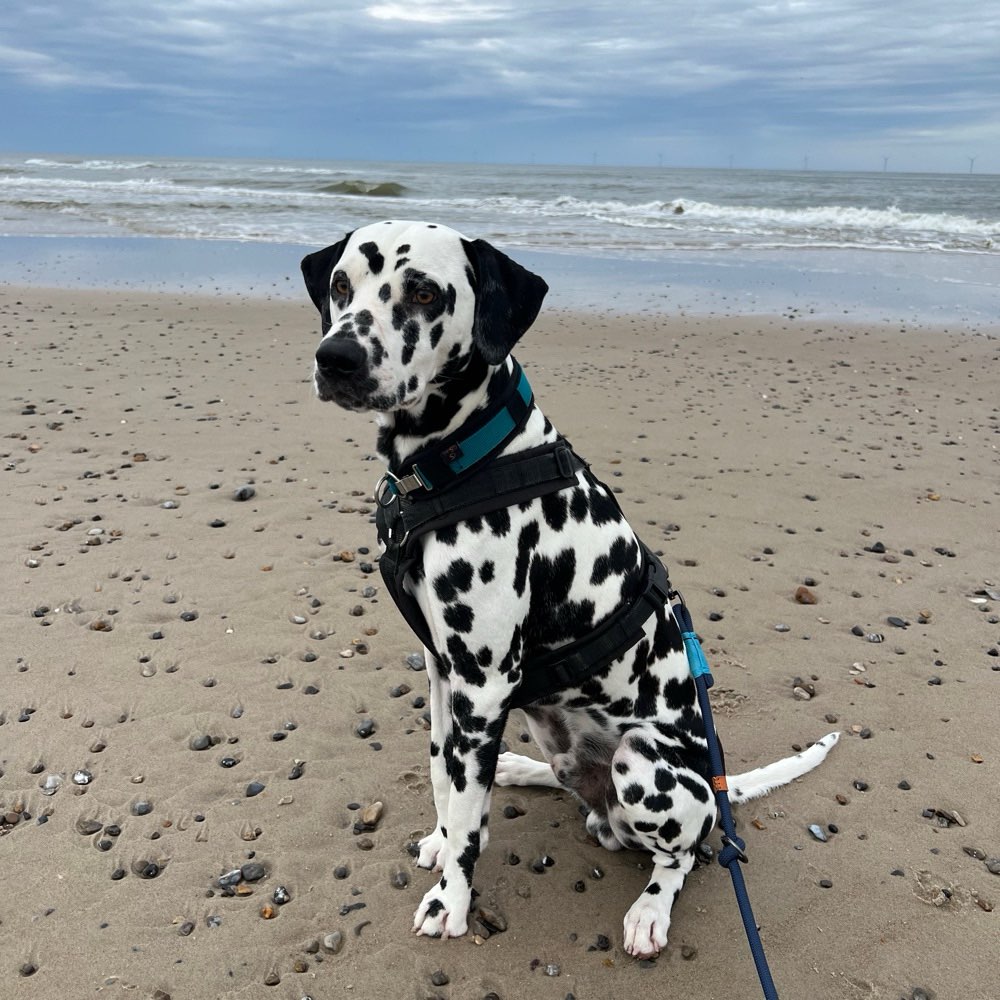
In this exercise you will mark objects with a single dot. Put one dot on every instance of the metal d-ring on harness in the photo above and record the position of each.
(450, 483)
(734, 849)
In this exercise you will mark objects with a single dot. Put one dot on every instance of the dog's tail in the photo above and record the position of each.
(762, 780)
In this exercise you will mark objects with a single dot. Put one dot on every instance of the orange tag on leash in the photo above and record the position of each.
(719, 783)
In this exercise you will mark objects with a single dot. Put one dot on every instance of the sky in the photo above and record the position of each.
(838, 84)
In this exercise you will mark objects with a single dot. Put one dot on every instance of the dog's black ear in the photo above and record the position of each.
(508, 298)
(318, 267)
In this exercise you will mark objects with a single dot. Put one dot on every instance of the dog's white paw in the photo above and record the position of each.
(443, 912)
(646, 925)
(516, 769)
(432, 850)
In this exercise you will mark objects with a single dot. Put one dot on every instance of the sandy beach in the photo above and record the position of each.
(200, 671)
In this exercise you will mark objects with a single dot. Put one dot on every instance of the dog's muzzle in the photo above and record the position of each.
(342, 375)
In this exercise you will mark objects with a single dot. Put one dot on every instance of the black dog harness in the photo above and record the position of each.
(454, 481)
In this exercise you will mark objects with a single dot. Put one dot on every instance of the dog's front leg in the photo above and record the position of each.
(470, 756)
(432, 846)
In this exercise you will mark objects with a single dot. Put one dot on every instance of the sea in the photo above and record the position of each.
(895, 245)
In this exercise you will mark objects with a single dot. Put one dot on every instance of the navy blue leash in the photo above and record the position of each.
(734, 849)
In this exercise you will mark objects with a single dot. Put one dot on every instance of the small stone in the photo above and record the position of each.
(333, 942)
(185, 928)
(803, 595)
(254, 788)
(371, 815)
(230, 879)
(439, 978)
(244, 493)
(200, 742)
(399, 880)
(825, 883)
(801, 693)
(552, 969)
(365, 728)
(818, 832)
(253, 871)
(82, 777)
(688, 952)
(415, 661)
(268, 912)
(142, 808)
(281, 895)
(88, 827)
(897, 622)
(146, 869)
(494, 920)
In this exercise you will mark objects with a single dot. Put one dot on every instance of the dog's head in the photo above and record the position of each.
(404, 304)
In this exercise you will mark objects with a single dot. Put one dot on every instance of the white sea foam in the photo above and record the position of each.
(620, 211)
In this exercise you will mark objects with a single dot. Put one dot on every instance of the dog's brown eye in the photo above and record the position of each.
(342, 286)
(424, 296)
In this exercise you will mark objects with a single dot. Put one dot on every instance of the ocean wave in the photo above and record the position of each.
(91, 164)
(370, 189)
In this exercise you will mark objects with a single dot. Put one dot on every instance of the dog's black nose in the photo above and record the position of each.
(340, 356)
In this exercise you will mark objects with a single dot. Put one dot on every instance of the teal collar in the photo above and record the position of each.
(483, 435)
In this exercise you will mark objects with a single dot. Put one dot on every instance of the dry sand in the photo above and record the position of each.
(756, 454)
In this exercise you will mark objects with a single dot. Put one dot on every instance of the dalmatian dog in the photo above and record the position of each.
(417, 328)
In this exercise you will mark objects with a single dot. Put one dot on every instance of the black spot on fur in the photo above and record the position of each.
(374, 257)
(467, 859)
(644, 748)
(498, 522)
(664, 779)
(462, 710)
(670, 830)
(447, 535)
(677, 692)
(385, 293)
(464, 661)
(555, 509)
(486, 571)
(460, 575)
(653, 889)
(603, 509)
(658, 803)
(526, 543)
(459, 617)
(633, 794)
(696, 788)
(649, 689)
(578, 505)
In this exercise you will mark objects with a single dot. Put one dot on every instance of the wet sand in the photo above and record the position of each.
(148, 612)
